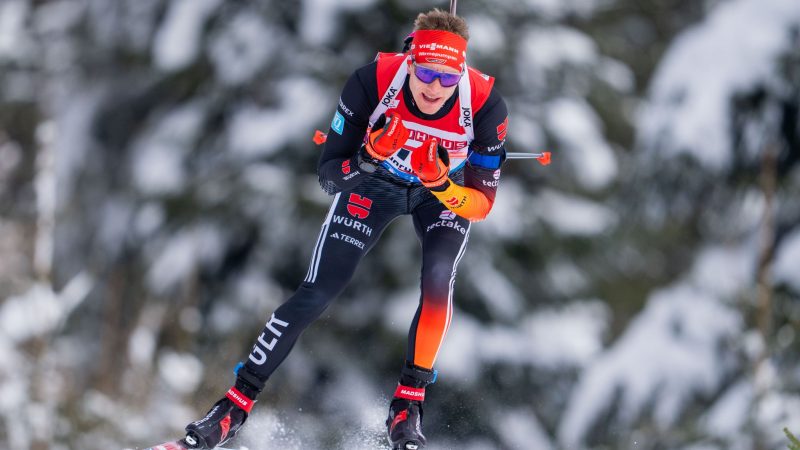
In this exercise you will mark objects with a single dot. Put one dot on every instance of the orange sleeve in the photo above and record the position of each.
(468, 203)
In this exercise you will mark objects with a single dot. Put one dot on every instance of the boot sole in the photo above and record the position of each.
(408, 445)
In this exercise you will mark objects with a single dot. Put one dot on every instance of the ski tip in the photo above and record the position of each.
(177, 446)
(174, 445)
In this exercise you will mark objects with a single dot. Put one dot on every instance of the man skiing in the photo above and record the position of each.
(416, 133)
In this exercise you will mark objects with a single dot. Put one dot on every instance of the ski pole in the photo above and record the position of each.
(543, 157)
(453, 4)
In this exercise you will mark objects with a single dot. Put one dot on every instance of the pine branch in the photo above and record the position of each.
(794, 444)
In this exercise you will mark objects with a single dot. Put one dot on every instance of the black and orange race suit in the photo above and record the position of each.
(365, 203)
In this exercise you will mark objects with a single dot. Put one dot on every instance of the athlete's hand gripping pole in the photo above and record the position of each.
(544, 158)
(431, 163)
(387, 136)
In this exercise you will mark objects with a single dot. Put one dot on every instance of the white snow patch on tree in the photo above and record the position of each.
(571, 215)
(545, 49)
(182, 254)
(552, 338)
(666, 357)
(320, 18)
(733, 50)
(241, 49)
(178, 41)
(555, 9)
(787, 261)
(50, 309)
(182, 371)
(521, 430)
(256, 131)
(579, 133)
(15, 43)
(730, 413)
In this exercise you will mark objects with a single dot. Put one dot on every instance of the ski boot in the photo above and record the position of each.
(404, 425)
(227, 416)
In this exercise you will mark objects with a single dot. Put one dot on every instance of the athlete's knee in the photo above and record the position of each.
(437, 273)
(307, 303)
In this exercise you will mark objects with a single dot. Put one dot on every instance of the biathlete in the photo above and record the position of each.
(417, 133)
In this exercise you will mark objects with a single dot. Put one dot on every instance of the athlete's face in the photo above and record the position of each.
(431, 96)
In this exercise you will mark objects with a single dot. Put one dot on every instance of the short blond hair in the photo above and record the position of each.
(436, 19)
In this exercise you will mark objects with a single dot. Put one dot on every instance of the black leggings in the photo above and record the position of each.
(353, 225)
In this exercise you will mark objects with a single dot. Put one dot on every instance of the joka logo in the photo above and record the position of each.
(447, 215)
(466, 117)
(358, 206)
(387, 99)
(502, 129)
(346, 166)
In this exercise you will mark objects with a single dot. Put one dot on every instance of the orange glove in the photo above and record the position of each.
(430, 163)
(386, 136)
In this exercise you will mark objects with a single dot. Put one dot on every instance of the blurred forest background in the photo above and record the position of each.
(158, 199)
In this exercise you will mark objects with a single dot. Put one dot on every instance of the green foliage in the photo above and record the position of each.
(794, 443)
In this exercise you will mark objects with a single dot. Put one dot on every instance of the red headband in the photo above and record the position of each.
(439, 47)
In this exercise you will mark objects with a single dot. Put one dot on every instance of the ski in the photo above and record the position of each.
(177, 445)
(174, 445)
